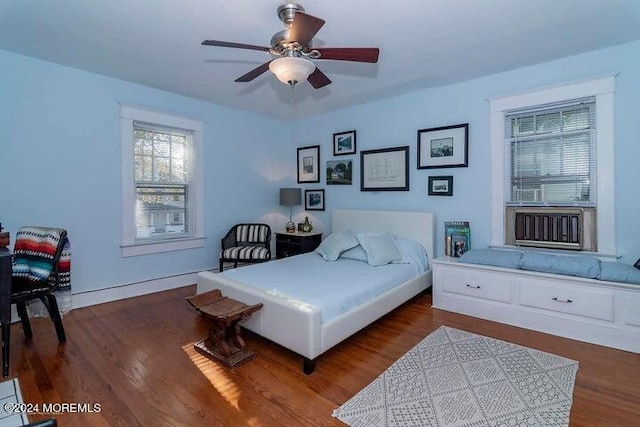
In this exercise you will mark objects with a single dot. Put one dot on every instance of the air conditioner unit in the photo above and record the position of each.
(553, 227)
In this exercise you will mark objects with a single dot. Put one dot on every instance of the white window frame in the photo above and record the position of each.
(131, 247)
(602, 88)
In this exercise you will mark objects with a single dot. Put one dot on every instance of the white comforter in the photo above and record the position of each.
(332, 287)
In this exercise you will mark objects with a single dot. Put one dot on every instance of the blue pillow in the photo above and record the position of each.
(380, 248)
(496, 257)
(581, 266)
(619, 272)
(412, 253)
(356, 253)
(331, 247)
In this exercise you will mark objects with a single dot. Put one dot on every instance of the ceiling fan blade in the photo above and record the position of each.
(236, 45)
(254, 73)
(304, 27)
(318, 79)
(356, 54)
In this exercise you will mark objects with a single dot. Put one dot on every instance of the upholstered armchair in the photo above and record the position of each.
(246, 243)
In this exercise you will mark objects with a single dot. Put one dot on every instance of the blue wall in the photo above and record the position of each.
(60, 162)
(60, 157)
(395, 121)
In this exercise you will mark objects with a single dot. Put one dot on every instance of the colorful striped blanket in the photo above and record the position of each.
(35, 252)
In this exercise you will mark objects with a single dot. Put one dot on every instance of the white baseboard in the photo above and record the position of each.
(85, 299)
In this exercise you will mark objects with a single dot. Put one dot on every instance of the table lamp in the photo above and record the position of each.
(290, 197)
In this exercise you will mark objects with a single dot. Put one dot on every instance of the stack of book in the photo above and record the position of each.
(457, 235)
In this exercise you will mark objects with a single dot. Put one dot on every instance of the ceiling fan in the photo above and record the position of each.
(293, 52)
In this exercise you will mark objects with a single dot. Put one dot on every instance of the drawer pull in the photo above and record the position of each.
(568, 301)
(472, 286)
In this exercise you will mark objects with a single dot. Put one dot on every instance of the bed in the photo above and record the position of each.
(303, 327)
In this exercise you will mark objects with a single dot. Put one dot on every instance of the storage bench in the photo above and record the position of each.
(596, 311)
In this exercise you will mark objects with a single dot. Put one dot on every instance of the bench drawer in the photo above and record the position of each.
(568, 299)
(485, 285)
(630, 312)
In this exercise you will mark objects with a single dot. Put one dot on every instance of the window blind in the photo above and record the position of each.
(550, 155)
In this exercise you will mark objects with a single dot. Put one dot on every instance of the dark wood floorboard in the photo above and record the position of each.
(135, 358)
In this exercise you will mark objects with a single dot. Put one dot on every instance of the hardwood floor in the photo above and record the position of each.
(135, 358)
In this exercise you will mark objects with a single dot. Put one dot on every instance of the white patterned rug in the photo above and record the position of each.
(456, 378)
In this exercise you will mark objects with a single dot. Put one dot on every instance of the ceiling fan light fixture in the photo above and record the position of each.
(291, 70)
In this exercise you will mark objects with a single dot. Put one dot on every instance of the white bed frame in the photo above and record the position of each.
(298, 326)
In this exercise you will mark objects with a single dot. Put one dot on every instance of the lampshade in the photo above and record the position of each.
(290, 196)
(291, 69)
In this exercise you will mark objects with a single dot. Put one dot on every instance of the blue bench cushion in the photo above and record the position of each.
(619, 272)
(581, 266)
(495, 257)
(578, 265)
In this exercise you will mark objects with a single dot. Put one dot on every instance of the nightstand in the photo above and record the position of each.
(289, 244)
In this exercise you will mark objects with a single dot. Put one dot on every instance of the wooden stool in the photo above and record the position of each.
(224, 342)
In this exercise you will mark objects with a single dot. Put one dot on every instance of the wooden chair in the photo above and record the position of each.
(247, 243)
(37, 273)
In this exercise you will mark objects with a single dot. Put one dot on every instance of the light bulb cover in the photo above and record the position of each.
(291, 69)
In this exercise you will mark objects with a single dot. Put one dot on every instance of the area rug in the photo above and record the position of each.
(456, 378)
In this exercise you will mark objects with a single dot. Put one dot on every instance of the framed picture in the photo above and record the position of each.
(441, 185)
(385, 170)
(344, 143)
(443, 147)
(339, 172)
(314, 200)
(309, 164)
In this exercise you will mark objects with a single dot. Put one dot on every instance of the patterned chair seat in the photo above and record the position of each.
(245, 253)
(247, 243)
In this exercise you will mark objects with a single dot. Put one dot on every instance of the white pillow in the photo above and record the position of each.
(380, 248)
(331, 247)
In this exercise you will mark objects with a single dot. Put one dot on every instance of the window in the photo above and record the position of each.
(162, 161)
(552, 167)
(551, 155)
(162, 188)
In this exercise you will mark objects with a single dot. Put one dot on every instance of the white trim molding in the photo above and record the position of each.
(603, 89)
(131, 247)
(115, 293)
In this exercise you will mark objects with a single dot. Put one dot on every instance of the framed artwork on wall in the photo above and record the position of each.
(440, 185)
(309, 164)
(443, 147)
(314, 200)
(344, 143)
(386, 169)
(339, 172)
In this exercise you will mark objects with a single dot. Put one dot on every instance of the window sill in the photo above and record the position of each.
(135, 249)
(601, 255)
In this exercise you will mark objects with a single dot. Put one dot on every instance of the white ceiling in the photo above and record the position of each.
(423, 43)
